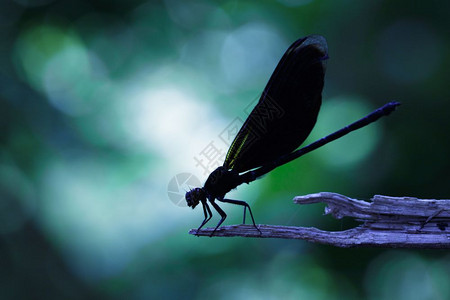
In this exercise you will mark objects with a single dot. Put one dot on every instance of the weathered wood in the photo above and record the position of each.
(400, 222)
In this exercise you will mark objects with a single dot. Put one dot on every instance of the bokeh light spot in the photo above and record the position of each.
(99, 228)
(250, 54)
(57, 63)
(188, 13)
(35, 47)
(351, 149)
(156, 111)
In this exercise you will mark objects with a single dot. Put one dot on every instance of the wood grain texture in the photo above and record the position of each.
(394, 222)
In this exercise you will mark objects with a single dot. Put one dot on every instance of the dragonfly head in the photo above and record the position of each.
(194, 196)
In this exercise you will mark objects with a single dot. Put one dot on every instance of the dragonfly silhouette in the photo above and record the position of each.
(280, 122)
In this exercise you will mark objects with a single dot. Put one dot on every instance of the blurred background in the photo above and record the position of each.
(110, 110)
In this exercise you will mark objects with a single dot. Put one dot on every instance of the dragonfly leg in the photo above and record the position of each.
(208, 214)
(245, 205)
(222, 214)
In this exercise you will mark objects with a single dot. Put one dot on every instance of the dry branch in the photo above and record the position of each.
(400, 222)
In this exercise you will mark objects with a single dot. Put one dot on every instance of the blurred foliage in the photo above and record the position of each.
(103, 102)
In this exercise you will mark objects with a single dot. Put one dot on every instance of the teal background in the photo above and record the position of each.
(104, 102)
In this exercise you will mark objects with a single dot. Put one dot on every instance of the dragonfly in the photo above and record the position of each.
(279, 123)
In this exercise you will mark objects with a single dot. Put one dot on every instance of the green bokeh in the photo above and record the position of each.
(104, 102)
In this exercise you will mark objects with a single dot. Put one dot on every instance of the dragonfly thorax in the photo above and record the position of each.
(220, 182)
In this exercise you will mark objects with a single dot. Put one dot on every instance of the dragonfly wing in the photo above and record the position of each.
(287, 110)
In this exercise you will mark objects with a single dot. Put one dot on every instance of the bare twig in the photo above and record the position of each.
(402, 222)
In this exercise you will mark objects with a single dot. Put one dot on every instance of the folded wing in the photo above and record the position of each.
(287, 110)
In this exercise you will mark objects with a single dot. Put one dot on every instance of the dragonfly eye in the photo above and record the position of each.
(194, 196)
